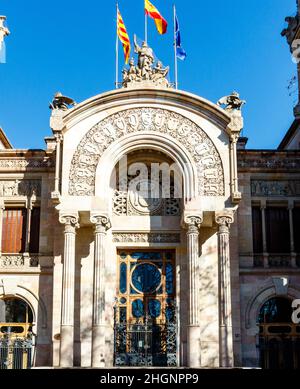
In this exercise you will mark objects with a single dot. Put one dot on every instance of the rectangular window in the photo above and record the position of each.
(14, 230)
(34, 230)
(296, 224)
(278, 230)
(257, 230)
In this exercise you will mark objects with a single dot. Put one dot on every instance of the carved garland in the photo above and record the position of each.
(98, 139)
(146, 237)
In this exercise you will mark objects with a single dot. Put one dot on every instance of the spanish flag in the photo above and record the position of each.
(123, 36)
(161, 23)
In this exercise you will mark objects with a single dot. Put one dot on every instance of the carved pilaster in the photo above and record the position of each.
(1, 223)
(235, 194)
(102, 224)
(193, 223)
(263, 207)
(59, 139)
(28, 225)
(223, 221)
(68, 290)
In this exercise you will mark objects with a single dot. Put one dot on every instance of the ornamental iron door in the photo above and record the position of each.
(16, 336)
(145, 320)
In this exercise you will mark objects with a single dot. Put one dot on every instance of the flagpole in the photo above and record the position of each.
(146, 25)
(117, 49)
(175, 50)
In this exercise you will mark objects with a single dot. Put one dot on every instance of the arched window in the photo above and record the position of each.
(279, 337)
(15, 316)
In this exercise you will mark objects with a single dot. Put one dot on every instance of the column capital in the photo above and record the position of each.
(102, 222)
(71, 221)
(58, 137)
(193, 222)
(224, 219)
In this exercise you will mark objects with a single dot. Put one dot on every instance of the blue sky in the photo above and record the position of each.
(69, 46)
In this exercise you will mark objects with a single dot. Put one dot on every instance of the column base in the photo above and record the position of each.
(98, 346)
(66, 346)
(194, 347)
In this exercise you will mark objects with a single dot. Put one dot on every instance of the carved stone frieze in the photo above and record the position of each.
(268, 188)
(193, 138)
(146, 237)
(12, 188)
(17, 261)
(268, 161)
(21, 164)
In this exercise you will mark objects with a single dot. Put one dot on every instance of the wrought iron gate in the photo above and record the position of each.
(16, 351)
(145, 344)
(145, 319)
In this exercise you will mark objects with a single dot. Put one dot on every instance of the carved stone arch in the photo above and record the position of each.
(261, 297)
(37, 305)
(203, 153)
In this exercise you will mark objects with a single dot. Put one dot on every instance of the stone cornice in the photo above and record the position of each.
(171, 97)
(268, 160)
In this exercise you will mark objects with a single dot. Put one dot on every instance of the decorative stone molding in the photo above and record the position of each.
(102, 222)
(97, 140)
(12, 188)
(130, 203)
(193, 222)
(146, 237)
(224, 220)
(56, 120)
(21, 164)
(18, 261)
(268, 188)
(274, 160)
(71, 222)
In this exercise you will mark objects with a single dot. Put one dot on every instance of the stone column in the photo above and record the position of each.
(68, 291)
(2, 207)
(292, 238)
(102, 224)
(194, 352)
(236, 195)
(59, 138)
(28, 226)
(225, 312)
(263, 207)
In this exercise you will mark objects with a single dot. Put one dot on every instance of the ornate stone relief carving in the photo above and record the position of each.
(97, 140)
(16, 261)
(132, 203)
(267, 161)
(146, 237)
(11, 188)
(26, 163)
(266, 188)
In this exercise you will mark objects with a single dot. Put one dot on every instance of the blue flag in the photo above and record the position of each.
(180, 52)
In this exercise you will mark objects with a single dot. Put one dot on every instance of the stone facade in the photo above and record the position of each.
(221, 283)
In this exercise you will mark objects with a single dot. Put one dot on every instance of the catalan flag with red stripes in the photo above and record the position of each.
(123, 36)
(161, 23)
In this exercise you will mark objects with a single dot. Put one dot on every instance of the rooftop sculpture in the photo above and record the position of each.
(146, 70)
(232, 102)
(61, 102)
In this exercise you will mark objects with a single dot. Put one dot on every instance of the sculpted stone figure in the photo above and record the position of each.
(291, 29)
(145, 69)
(4, 31)
(231, 102)
(61, 102)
